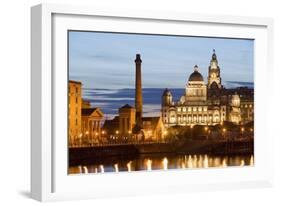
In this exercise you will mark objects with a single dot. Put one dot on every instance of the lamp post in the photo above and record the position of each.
(117, 133)
(87, 136)
(242, 131)
(206, 131)
(224, 131)
(80, 138)
(191, 131)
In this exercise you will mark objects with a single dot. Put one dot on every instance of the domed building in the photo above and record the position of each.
(207, 104)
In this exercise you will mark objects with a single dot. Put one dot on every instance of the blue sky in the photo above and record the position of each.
(104, 63)
(106, 60)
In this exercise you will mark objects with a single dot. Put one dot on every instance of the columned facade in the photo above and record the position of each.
(91, 125)
(207, 104)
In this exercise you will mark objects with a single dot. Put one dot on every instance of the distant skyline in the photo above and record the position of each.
(106, 60)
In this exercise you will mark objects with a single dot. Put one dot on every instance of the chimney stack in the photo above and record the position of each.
(138, 92)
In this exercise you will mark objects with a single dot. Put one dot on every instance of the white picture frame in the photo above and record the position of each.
(49, 179)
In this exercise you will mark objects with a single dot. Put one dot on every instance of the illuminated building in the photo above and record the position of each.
(127, 119)
(74, 111)
(208, 104)
(91, 125)
(84, 125)
(130, 122)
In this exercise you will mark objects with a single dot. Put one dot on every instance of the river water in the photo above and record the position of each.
(161, 162)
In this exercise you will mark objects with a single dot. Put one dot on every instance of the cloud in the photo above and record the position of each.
(234, 84)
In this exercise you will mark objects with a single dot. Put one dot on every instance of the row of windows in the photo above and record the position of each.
(76, 89)
(195, 119)
(197, 92)
(189, 109)
(246, 106)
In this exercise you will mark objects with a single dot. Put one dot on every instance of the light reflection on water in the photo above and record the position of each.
(164, 163)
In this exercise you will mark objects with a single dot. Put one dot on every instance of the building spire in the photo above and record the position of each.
(196, 68)
(214, 56)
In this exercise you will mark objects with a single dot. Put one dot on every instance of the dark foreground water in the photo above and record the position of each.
(162, 162)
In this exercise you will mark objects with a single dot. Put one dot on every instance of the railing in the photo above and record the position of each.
(102, 144)
(145, 142)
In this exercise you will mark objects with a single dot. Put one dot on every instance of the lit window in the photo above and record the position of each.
(189, 109)
(205, 109)
(172, 119)
(194, 119)
(179, 109)
(199, 109)
(194, 109)
(183, 109)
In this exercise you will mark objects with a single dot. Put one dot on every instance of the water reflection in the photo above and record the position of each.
(165, 162)
(129, 166)
(148, 165)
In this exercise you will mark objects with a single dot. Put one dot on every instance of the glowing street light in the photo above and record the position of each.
(224, 130)
(165, 163)
(116, 132)
(206, 130)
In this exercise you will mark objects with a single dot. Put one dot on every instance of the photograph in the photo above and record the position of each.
(153, 102)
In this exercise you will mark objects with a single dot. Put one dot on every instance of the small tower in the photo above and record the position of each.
(138, 91)
(167, 102)
(214, 79)
(167, 98)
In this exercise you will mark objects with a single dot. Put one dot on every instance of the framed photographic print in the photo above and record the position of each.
(135, 102)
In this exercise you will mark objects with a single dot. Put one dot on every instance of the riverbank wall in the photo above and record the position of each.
(84, 155)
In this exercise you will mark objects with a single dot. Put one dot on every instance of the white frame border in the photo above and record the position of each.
(42, 84)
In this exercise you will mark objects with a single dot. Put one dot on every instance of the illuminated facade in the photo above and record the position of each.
(208, 104)
(91, 125)
(74, 111)
(130, 122)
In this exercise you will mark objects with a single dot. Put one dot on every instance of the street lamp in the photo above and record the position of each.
(206, 130)
(87, 136)
(224, 130)
(191, 130)
(80, 138)
(242, 130)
